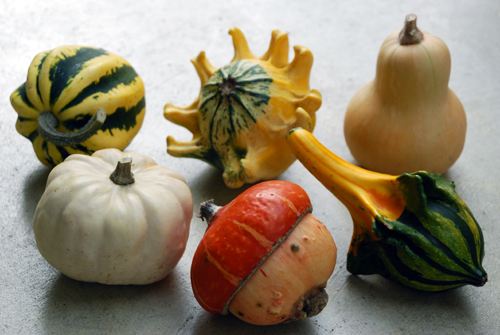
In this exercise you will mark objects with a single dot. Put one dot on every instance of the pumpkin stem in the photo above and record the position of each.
(410, 34)
(123, 173)
(208, 210)
(48, 122)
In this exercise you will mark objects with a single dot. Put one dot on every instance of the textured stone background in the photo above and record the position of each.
(159, 38)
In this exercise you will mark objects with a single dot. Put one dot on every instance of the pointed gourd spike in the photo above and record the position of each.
(204, 69)
(277, 54)
(190, 149)
(300, 68)
(184, 116)
(241, 49)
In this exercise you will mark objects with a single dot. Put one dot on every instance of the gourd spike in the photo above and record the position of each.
(203, 67)
(304, 120)
(184, 116)
(277, 54)
(299, 69)
(241, 49)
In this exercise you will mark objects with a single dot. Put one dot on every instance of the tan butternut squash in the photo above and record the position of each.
(407, 118)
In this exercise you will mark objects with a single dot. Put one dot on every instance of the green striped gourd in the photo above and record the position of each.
(413, 228)
(78, 99)
(245, 109)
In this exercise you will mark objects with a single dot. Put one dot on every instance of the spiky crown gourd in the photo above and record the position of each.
(245, 109)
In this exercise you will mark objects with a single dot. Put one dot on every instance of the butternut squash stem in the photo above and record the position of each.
(123, 173)
(410, 34)
(48, 122)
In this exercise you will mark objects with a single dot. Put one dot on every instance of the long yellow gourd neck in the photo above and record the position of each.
(365, 193)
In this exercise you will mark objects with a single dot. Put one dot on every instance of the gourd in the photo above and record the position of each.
(113, 218)
(264, 257)
(407, 119)
(245, 109)
(413, 228)
(78, 99)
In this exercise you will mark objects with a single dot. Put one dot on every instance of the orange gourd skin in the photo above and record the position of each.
(407, 119)
(240, 235)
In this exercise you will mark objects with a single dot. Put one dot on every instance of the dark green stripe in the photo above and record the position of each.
(251, 81)
(32, 136)
(21, 90)
(212, 122)
(238, 100)
(413, 275)
(265, 98)
(481, 238)
(122, 118)
(392, 237)
(450, 213)
(38, 76)
(45, 147)
(411, 220)
(64, 153)
(83, 149)
(124, 75)
(65, 69)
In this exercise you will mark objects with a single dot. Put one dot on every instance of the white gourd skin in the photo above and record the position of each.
(407, 119)
(93, 230)
(277, 291)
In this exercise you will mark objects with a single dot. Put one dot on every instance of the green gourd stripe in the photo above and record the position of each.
(65, 69)
(255, 69)
(122, 118)
(21, 91)
(413, 275)
(231, 117)
(33, 135)
(403, 239)
(83, 149)
(258, 80)
(212, 122)
(265, 98)
(237, 99)
(410, 219)
(124, 75)
(48, 158)
(62, 151)
(481, 237)
(38, 76)
(451, 214)
(207, 100)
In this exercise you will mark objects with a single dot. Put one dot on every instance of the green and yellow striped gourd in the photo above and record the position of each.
(413, 228)
(78, 99)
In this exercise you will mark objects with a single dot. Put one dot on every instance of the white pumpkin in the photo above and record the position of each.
(94, 229)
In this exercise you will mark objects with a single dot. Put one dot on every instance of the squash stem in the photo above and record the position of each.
(123, 173)
(208, 210)
(48, 122)
(410, 34)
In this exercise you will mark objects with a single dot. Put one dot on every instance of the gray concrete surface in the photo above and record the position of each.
(159, 38)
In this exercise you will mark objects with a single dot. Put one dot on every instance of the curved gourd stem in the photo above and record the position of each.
(410, 34)
(123, 173)
(48, 122)
(365, 193)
